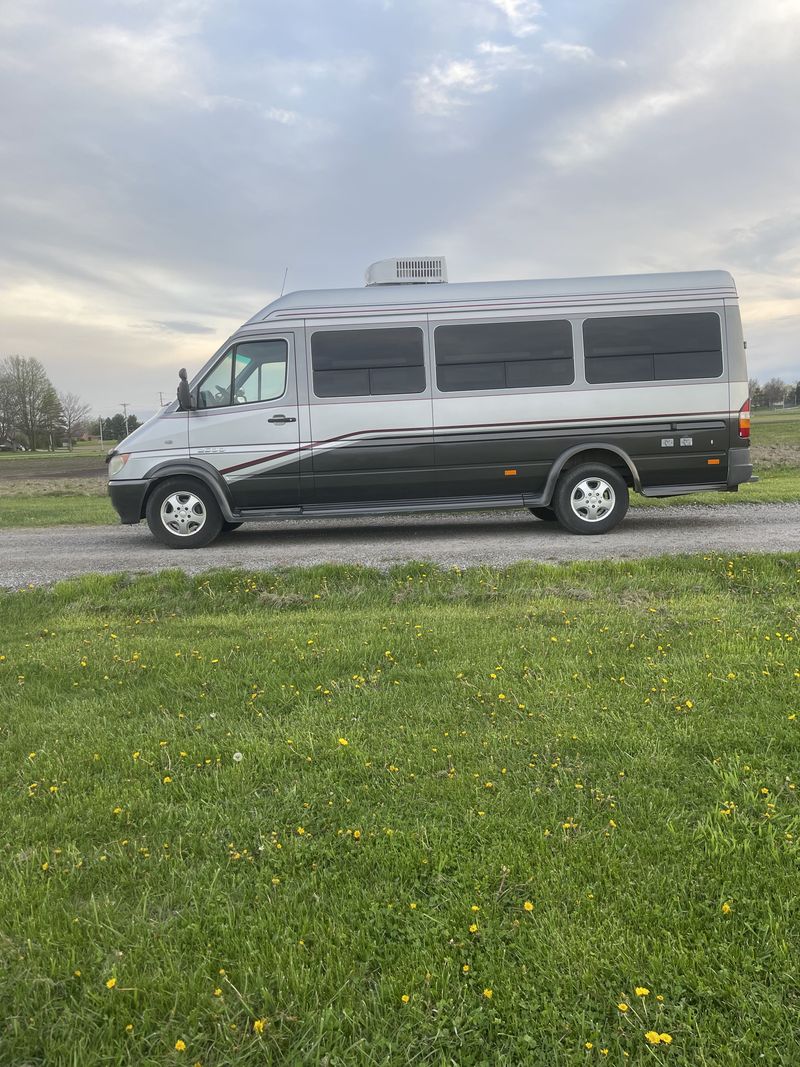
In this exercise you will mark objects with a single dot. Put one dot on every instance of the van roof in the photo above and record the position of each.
(451, 295)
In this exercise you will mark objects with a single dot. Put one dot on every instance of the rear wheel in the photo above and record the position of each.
(590, 499)
(183, 513)
(545, 514)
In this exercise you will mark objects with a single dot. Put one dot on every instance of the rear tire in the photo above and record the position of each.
(545, 514)
(183, 513)
(590, 499)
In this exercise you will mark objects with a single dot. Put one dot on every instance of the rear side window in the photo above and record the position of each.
(368, 362)
(503, 355)
(648, 348)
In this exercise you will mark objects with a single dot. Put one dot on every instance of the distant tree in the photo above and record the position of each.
(74, 413)
(756, 394)
(33, 395)
(775, 390)
(9, 415)
(52, 419)
(114, 427)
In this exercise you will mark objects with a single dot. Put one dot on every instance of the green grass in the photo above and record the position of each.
(55, 509)
(615, 743)
(776, 427)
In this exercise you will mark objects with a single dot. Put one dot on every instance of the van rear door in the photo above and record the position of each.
(246, 421)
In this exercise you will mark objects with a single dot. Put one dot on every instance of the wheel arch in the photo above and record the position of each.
(193, 468)
(613, 456)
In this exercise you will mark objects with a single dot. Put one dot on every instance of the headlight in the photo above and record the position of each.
(116, 463)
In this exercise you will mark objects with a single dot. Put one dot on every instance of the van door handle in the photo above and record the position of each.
(280, 419)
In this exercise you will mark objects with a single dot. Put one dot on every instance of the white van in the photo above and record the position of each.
(418, 395)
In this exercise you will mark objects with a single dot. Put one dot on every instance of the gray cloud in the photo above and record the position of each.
(164, 162)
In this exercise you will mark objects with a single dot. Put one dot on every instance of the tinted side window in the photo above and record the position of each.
(503, 355)
(368, 362)
(647, 348)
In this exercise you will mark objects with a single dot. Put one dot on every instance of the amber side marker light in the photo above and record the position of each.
(713, 463)
(509, 473)
(744, 420)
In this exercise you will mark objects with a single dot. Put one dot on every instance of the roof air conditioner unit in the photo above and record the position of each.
(419, 270)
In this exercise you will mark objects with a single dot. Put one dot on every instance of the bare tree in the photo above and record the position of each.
(775, 391)
(74, 413)
(33, 393)
(8, 406)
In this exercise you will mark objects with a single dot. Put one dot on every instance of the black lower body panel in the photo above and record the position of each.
(128, 500)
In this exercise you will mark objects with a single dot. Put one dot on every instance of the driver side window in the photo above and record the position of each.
(248, 373)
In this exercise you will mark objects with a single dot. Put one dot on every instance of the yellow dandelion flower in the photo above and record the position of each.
(465, 968)
(726, 908)
(77, 974)
(622, 1007)
(405, 998)
(259, 1025)
(111, 983)
(588, 1046)
(129, 1028)
(217, 992)
(488, 993)
(528, 906)
(301, 830)
(343, 742)
(166, 779)
(473, 928)
(665, 1039)
(641, 991)
(659, 997)
(180, 1045)
(652, 1037)
(413, 905)
(603, 1051)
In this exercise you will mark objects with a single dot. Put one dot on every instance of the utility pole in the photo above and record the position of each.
(160, 398)
(124, 407)
(101, 433)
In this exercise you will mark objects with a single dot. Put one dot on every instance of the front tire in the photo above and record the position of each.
(183, 513)
(590, 499)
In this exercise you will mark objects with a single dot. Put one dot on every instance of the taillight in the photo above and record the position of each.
(744, 420)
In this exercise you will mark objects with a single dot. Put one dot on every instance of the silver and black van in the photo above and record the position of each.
(414, 394)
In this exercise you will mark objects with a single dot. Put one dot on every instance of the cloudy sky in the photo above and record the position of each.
(163, 161)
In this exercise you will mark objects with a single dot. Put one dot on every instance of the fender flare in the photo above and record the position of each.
(195, 468)
(565, 457)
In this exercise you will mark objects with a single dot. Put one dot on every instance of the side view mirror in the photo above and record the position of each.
(184, 392)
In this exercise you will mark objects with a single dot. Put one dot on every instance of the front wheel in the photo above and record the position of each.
(590, 499)
(183, 513)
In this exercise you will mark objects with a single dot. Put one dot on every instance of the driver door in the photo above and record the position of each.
(245, 422)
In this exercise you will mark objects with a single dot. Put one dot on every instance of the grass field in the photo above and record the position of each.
(545, 816)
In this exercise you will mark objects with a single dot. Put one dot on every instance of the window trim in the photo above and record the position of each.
(368, 398)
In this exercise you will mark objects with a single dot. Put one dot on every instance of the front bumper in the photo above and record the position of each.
(128, 499)
(740, 469)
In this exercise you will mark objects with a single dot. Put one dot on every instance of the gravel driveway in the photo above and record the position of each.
(470, 539)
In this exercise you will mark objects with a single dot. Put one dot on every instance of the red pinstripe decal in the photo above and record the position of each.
(469, 426)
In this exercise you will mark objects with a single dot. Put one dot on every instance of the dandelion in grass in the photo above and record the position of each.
(588, 1046)
(237, 757)
(665, 1039)
(641, 991)
(180, 1045)
(129, 1028)
(343, 742)
(488, 993)
(111, 983)
(259, 1025)
(466, 968)
(357, 835)
(528, 905)
(726, 908)
(623, 1007)
(473, 928)
(405, 998)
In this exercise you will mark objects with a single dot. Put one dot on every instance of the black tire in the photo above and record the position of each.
(545, 514)
(590, 499)
(202, 519)
(229, 527)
